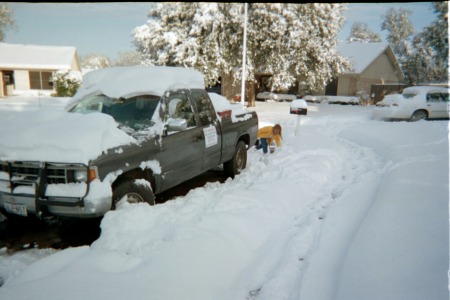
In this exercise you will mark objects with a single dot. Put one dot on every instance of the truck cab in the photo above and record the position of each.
(175, 133)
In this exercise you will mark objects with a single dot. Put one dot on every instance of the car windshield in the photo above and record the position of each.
(136, 112)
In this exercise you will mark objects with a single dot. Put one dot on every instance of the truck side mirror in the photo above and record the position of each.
(176, 124)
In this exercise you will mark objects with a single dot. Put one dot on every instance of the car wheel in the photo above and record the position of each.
(419, 115)
(235, 165)
(134, 191)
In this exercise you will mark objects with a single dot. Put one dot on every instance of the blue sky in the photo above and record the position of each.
(105, 28)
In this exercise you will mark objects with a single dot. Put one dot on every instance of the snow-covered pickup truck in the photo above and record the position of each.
(128, 134)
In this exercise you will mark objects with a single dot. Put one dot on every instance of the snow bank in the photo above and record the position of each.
(332, 99)
(275, 96)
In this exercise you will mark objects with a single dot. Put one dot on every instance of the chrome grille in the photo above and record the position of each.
(56, 175)
(27, 173)
(24, 173)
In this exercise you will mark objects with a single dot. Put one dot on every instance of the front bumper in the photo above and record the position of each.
(48, 189)
(24, 205)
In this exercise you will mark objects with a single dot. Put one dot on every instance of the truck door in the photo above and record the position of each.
(208, 121)
(182, 141)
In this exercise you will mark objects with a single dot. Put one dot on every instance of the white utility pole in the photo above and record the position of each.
(244, 57)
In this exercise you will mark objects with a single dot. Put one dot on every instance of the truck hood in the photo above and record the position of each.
(58, 136)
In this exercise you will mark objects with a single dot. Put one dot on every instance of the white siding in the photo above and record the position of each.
(22, 80)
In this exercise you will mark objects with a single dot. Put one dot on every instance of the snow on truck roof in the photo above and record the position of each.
(126, 82)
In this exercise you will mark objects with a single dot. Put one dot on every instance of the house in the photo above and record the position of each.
(374, 71)
(372, 64)
(30, 67)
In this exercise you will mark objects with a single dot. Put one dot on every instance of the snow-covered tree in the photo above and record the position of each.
(128, 58)
(360, 33)
(284, 39)
(400, 31)
(427, 58)
(6, 19)
(436, 34)
(94, 61)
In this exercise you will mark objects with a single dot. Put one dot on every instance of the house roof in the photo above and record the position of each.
(34, 57)
(361, 55)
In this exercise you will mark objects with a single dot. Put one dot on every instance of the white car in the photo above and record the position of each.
(415, 103)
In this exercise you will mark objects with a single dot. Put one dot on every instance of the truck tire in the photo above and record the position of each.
(235, 165)
(135, 193)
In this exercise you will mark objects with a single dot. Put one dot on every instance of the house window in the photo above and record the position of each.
(8, 77)
(41, 80)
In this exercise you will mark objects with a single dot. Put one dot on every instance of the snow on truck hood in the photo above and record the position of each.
(132, 81)
(58, 136)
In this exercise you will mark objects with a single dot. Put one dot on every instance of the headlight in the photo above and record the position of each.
(80, 175)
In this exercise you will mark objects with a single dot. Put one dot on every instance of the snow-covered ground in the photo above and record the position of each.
(347, 208)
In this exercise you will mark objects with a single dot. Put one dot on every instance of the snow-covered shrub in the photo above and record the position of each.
(66, 82)
(363, 96)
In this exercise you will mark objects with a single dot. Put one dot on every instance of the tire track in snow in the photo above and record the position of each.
(362, 173)
(330, 174)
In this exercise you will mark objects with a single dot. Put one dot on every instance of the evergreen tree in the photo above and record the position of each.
(428, 57)
(360, 32)
(284, 39)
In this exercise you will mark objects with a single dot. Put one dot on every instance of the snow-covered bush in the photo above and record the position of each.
(66, 83)
(363, 95)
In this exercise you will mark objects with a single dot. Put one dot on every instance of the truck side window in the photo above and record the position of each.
(205, 108)
(178, 107)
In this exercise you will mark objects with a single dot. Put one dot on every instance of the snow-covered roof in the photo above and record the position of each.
(126, 82)
(361, 55)
(34, 57)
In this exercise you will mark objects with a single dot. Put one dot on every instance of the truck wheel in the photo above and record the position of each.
(235, 165)
(134, 193)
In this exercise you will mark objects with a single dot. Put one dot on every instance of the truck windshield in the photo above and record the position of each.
(136, 112)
